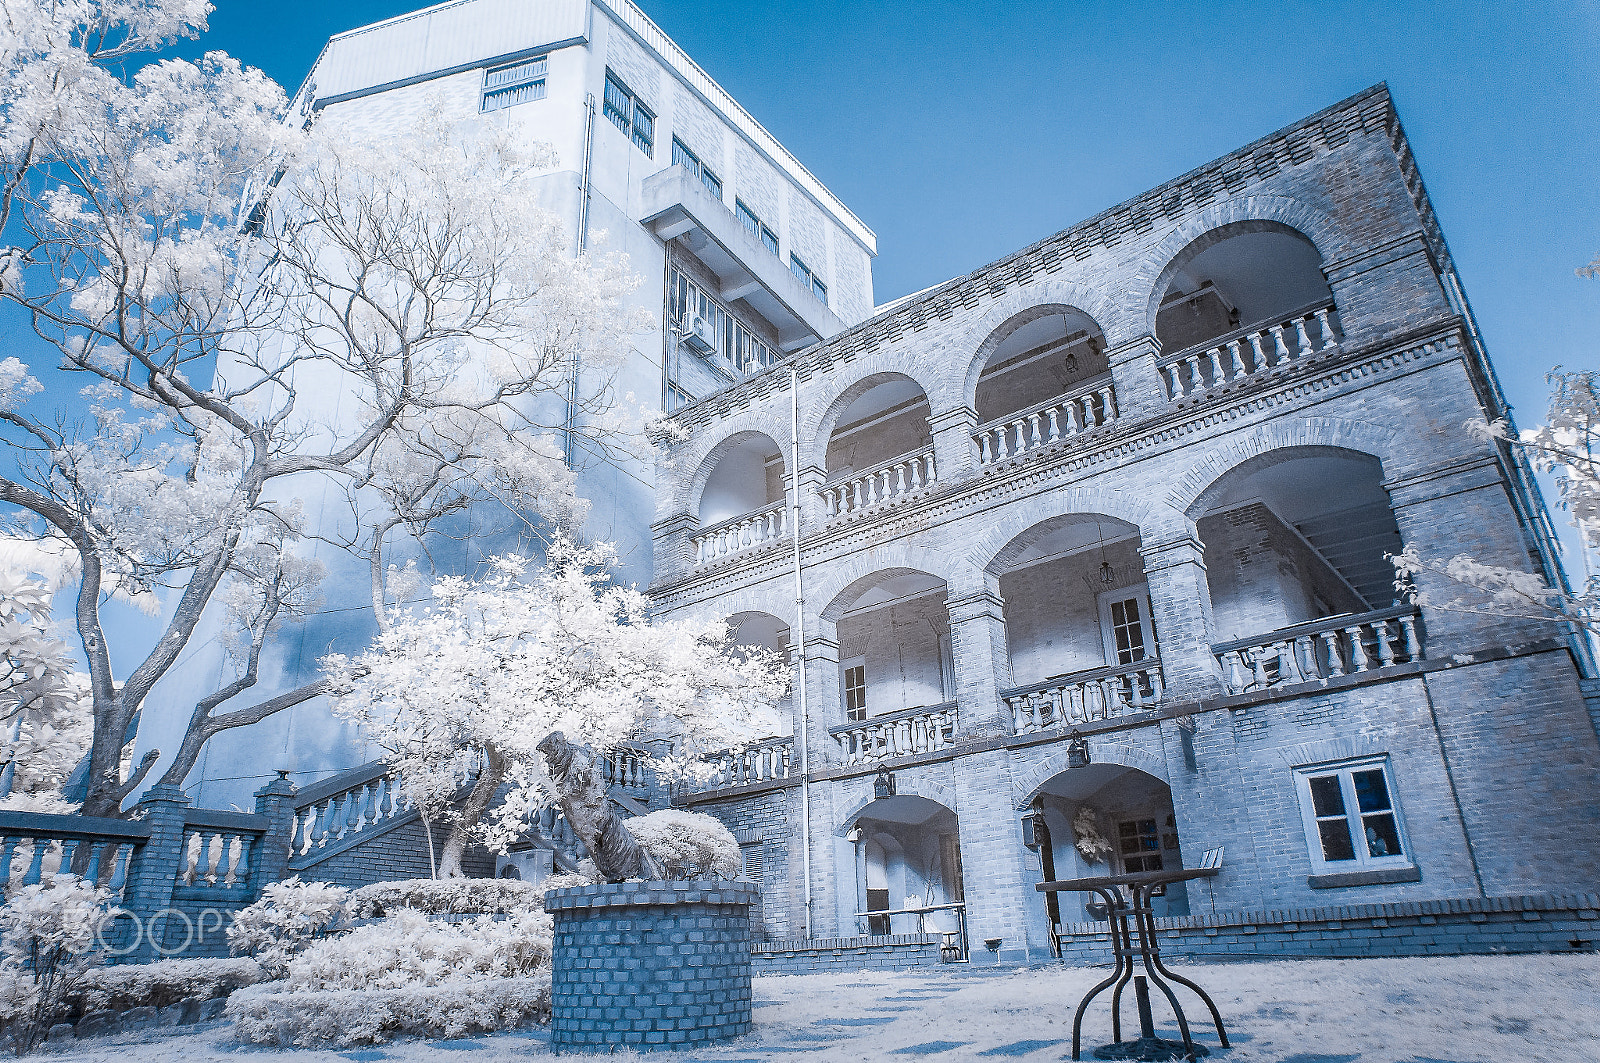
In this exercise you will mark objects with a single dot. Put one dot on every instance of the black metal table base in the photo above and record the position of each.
(1148, 1046)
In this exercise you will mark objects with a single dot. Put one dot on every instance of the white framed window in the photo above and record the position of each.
(808, 278)
(853, 682)
(1126, 626)
(755, 226)
(514, 83)
(682, 156)
(628, 114)
(1352, 820)
(1139, 845)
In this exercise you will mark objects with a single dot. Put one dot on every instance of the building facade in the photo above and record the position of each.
(1082, 560)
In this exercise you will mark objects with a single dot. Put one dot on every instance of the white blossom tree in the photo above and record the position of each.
(464, 689)
(215, 272)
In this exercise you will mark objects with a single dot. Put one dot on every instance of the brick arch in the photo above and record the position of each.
(1156, 522)
(1386, 444)
(1106, 749)
(703, 452)
(774, 597)
(1215, 224)
(842, 582)
(1016, 308)
(826, 397)
(1328, 749)
(905, 786)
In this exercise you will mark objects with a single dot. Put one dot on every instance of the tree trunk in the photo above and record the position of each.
(586, 803)
(493, 774)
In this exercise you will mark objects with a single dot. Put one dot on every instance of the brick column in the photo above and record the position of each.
(275, 801)
(994, 881)
(955, 456)
(825, 706)
(153, 871)
(982, 662)
(671, 540)
(813, 511)
(1140, 392)
(1180, 598)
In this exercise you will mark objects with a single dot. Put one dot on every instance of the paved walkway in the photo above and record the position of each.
(1500, 1009)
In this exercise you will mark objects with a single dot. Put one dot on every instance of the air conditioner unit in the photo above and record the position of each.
(701, 336)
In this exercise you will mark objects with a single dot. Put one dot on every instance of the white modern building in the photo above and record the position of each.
(744, 255)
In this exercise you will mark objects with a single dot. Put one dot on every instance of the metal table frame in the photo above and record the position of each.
(1119, 908)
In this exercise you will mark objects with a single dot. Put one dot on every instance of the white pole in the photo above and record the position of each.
(800, 637)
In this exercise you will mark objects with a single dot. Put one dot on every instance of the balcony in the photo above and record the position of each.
(744, 532)
(1320, 650)
(1054, 420)
(895, 480)
(676, 204)
(924, 729)
(769, 760)
(1251, 352)
(1085, 697)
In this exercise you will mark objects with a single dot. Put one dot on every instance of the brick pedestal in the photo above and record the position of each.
(650, 964)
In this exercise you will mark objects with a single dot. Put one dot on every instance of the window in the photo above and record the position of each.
(1350, 817)
(1126, 625)
(514, 83)
(740, 348)
(1139, 846)
(855, 691)
(629, 115)
(754, 226)
(682, 156)
(809, 279)
(677, 398)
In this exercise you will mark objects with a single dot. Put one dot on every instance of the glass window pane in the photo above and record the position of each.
(1335, 840)
(1326, 798)
(769, 239)
(1372, 795)
(1383, 839)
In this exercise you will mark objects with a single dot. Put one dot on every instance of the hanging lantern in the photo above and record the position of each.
(883, 785)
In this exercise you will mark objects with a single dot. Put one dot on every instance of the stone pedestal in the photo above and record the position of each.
(650, 964)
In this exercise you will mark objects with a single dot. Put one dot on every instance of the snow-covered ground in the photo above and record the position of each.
(1485, 1009)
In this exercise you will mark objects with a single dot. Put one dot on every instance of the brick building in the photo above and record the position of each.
(1135, 484)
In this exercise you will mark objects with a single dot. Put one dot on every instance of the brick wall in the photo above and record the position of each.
(889, 952)
(1471, 926)
(399, 853)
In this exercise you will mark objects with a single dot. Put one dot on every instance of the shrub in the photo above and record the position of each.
(47, 934)
(687, 844)
(471, 896)
(346, 1017)
(289, 915)
(408, 949)
(163, 984)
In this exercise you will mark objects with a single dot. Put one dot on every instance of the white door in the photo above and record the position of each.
(1126, 625)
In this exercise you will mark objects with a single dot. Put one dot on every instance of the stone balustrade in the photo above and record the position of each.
(774, 758)
(742, 533)
(1084, 697)
(336, 810)
(33, 845)
(1322, 649)
(626, 768)
(1249, 351)
(219, 850)
(925, 729)
(895, 479)
(1063, 417)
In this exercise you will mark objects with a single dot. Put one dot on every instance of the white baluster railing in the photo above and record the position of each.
(36, 845)
(625, 767)
(742, 533)
(1249, 351)
(218, 852)
(1085, 697)
(895, 479)
(773, 758)
(323, 818)
(926, 729)
(1059, 418)
(1323, 649)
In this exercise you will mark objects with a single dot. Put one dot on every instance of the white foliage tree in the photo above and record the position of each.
(465, 689)
(1567, 446)
(215, 273)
